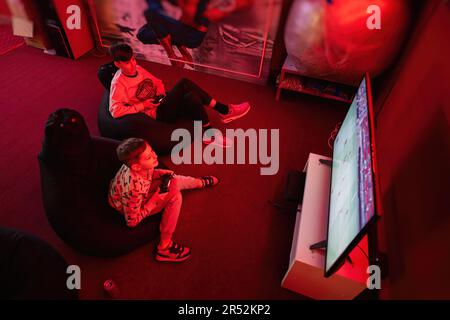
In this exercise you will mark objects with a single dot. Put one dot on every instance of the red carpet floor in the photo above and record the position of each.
(240, 243)
(8, 41)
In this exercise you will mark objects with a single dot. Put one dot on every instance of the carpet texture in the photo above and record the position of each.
(8, 41)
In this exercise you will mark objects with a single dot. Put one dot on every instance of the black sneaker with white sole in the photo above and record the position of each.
(174, 253)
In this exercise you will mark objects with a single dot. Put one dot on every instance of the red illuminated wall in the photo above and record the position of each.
(81, 41)
(413, 140)
(4, 10)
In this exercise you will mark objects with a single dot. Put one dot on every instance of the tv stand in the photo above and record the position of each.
(322, 245)
(305, 274)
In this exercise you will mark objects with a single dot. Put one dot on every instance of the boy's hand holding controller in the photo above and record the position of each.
(158, 196)
(161, 192)
(158, 173)
(166, 182)
(150, 104)
(167, 188)
(158, 99)
(156, 199)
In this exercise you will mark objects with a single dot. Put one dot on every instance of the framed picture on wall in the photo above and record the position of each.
(232, 38)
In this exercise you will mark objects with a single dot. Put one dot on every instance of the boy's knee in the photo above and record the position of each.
(178, 195)
(175, 196)
(174, 186)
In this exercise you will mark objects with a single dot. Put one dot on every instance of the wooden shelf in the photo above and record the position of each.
(291, 79)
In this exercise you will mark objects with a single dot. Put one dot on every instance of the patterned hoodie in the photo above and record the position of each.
(129, 193)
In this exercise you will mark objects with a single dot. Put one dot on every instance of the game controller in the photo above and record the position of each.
(165, 182)
(158, 99)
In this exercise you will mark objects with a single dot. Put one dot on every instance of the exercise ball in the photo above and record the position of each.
(340, 40)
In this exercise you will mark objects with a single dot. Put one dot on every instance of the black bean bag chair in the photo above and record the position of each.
(139, 125)
(75, 174)
(31, 269)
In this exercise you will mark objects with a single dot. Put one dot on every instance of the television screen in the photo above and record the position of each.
(352, 196)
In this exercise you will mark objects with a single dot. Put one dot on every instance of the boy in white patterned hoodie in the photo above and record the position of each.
(135, 193)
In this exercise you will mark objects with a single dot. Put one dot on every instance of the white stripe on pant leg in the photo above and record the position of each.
(186, 182)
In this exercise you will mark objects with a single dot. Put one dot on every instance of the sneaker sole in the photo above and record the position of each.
(216, 144)
(162, 259)
(228, 120)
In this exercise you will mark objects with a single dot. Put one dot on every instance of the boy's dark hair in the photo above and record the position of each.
(121, 52)
(130, 149)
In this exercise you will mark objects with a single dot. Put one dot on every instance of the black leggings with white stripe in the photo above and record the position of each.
(185, 100)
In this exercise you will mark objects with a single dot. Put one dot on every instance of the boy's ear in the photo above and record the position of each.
(135, 167)
(116, 63)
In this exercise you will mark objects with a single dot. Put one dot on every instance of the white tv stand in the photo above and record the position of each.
(306, 267)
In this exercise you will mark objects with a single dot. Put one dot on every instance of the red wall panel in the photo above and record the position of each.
(81, 40)
(413, 141)
(4, 9)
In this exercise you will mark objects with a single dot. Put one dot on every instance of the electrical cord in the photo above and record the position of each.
(333, 135)
(363, 252)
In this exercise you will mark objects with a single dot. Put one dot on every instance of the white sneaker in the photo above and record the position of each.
(218, 140)
(235, 111)
(51, 52)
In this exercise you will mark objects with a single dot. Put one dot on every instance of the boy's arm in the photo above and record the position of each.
(151, 204)
(158, 173)
(134, 209)
(160, 90)
(119, 104)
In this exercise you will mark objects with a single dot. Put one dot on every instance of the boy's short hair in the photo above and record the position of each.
(121, 52)
(130, 150)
